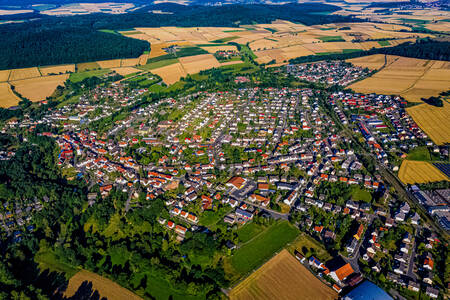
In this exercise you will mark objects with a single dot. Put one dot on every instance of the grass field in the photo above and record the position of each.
(419, 153)
(249, 231)
(433, 120)
(263, 246)
(282, 277)
(47, 260)
(105, 287)
(336, 38)
(158, 64)
(77, 77)
(419, 172)
(307, 246)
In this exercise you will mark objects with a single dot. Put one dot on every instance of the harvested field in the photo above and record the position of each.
(171, 73)
(433, 120)
(197, 63)
(7, 97)
(112, 63)
(4, 75)
(419, 172)
(61, 69)
(39, 88)
(233, 62)
(18, 74)
(105, 287)
(410, 78)
(373, 62)
(214, 49)
(129, 62)
(124, 71)
(282, 277)
(87, 66)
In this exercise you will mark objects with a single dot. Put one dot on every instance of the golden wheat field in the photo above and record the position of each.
(61, 69)
(373, 62)
(4, 75)
(7, 97)
(39, 88)
(87, 66)
(419, 172)
(197, 63)
(105, 287)
(435, 121)
(410, 78)
(171, 73)
(124, 71)
(18, 74)
(282, 277)
(112, 63)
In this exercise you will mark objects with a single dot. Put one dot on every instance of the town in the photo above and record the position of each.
(318, 159)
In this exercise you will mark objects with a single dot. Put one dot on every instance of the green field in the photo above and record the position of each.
(359, 194)
(419, 153)
(256, 251)
(384, 43)
(224, 40)
(336, 38)
(77, 77)
(308, 246)
(47, 260)
(271, 29)
(249, 231)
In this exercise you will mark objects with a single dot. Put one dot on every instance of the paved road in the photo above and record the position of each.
(410, 272)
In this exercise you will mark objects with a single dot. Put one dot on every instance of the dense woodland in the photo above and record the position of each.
(424, 49)
(58, 40)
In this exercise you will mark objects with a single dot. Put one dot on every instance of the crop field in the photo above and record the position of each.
(104, 286)
(410, 78)
(55, 70)
(39, 88)
(87, 66)
(124, 71)
(253, 253)
(18, 74)
(433, 120)
(197, 63)
(282, 277)
(7, 97)
(112, 63)
(4, 75)
(214, 49)
(419, 172)
(171, 73)
(373, 62)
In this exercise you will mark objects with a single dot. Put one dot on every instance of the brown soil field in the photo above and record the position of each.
(112, 63)
(4, 75)
(197, 63)
(105, 287)
(18, 74)
(125, 70)
(435, 121)
(171, 73)
(282, 277)
(7, 97)
(410, 78)
(419, 172)
(87, 66)
(39, 88)
(57, 69)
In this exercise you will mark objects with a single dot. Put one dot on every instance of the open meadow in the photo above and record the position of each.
(410, 78)
(282, 277)
(105, 287)
(435, 121)
(419, 172)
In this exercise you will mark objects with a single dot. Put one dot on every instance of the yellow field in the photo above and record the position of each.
(7, 97)
(112, 63)
(435, 121)
(171, 73)
(4, 75)
(125, 70)
(39, 88)
(282, 277)
(373, 62)
(419, 172)
(233, 62)
(87, 66)
(61, 69)
(214, 49)
(410, 78)
(105, 287)
(18, 74)
(197, 63)
(129, 62)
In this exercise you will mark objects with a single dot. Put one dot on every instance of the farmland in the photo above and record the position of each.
(414, 78)
(433, 120)
(282, 277)
(260, 248)
(105, 287)
(39, 88)
(7, 97)
(419, 172)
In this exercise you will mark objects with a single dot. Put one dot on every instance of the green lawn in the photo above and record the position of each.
(359, 194)
(258, 250)
(384, 43)
(308, 246)
(249, 231)
(48, 260)
(336, 38)
(419, 153)
(79, 76)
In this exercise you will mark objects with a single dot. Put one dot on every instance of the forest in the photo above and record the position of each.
(59, 40)
(424, 49)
